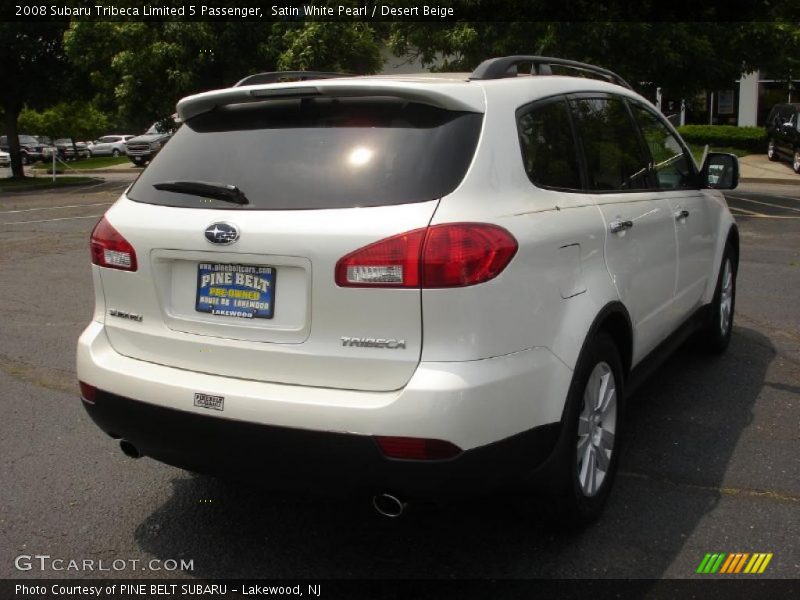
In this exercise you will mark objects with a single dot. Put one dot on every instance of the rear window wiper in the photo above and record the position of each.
(206, 189)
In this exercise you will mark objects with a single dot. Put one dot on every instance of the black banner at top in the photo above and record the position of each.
(399, 10)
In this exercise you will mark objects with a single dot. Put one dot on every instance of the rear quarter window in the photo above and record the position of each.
(317, 154)
(549, 152)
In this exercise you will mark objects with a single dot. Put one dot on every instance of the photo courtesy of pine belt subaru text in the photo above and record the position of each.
(411, 288)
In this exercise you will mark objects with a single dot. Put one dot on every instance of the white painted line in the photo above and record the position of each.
(50, 220)
(795, 198)
(744, 210)
(8, 212)
(758, 216)
(764, 203)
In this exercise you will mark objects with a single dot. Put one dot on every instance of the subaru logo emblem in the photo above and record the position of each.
(222, 233)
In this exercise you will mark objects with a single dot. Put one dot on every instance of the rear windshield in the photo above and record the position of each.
(316, 154)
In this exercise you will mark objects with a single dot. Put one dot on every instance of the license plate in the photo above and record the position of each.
(208, 401)
(243, 291)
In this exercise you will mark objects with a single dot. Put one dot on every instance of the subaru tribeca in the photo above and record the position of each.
(413, 287)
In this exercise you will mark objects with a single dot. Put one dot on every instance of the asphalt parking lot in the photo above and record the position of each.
(711, 462)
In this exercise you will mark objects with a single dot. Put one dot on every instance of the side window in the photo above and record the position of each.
(615, 160)
(672, 167)
(548, 148)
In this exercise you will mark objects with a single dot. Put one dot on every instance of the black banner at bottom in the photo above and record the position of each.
(412, 589)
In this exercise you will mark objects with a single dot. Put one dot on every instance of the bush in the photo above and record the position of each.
(752, 139)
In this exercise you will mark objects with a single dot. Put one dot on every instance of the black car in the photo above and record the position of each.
(30, 148)
(783, 133)
(67, 149)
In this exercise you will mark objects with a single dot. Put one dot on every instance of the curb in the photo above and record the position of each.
(126, 170)
(14, 190)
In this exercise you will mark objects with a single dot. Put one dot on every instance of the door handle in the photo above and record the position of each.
(616, 226)
(681, 214)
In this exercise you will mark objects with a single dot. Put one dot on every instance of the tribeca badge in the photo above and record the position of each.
(735, 562)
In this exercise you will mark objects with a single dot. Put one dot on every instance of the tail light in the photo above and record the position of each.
(110, 249)
(439, 256)
(417, 448)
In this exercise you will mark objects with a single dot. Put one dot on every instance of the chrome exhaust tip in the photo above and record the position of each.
(129, 449)
(388, 505)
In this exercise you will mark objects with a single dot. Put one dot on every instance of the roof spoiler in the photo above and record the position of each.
(192, 106)
(282, 76)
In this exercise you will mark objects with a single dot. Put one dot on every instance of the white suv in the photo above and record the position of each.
(413, 287)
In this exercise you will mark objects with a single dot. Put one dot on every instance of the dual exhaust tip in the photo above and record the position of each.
(385, 504)
(389, 505)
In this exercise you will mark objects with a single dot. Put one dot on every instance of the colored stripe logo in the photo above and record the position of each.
(735, 562)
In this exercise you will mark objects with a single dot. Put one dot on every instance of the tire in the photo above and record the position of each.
(593, 419)
(796, 161)
(772, 153)
(716, 335)
(115, 153)
(24, 159)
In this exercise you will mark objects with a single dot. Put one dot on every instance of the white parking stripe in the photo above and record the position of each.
(763, 203)
(745, 211)
(8, 212)
(50, 220)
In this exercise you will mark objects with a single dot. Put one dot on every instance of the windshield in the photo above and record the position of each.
(320, 153)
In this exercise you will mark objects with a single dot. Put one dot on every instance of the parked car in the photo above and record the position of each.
(413, 287)
(67, 149)
(5, 159)
(110, 145)
(783, 134)
(31, 149)
(143, 148)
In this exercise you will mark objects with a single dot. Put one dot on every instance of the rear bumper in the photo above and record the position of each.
(281, 457)
(504, 413)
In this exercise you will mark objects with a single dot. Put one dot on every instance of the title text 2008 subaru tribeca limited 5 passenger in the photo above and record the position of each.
(409, 286)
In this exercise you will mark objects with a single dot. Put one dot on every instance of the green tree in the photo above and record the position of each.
(76, 119)
(681, 57)
(140, 70)
(33, 71)
(73, 120)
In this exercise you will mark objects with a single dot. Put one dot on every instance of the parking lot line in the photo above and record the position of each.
(8, 212)
(50, 220)
(763, 203)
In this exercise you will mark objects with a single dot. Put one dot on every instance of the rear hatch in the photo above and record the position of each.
(322, 178)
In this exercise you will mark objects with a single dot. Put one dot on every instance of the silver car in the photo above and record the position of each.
(110, 145)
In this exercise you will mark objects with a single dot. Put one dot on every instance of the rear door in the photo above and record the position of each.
(322, 178)
(641, 250)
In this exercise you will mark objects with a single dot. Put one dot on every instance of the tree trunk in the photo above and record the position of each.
(11, 114)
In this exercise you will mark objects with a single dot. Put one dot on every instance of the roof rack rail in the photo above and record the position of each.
(277, 76)
(498, 68)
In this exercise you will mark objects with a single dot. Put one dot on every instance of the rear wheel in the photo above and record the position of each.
(772, 153)
(796, 161)
(593, 420)
(115, 153)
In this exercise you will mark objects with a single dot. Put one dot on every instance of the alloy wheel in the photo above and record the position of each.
(726, 298)
(597, 426)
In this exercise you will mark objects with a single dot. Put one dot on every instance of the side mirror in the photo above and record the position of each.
(720, 171)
